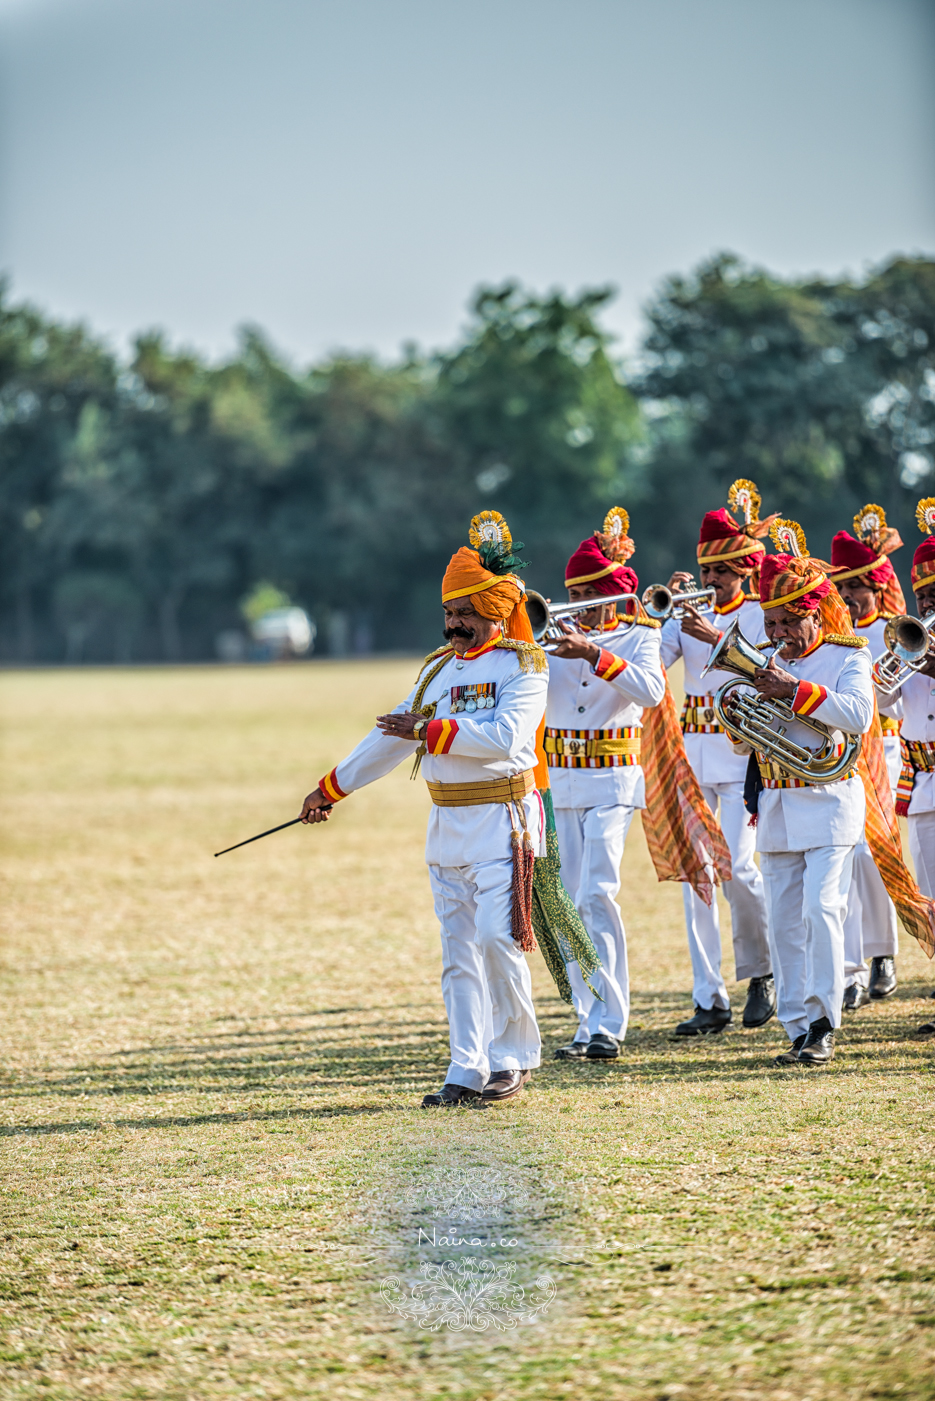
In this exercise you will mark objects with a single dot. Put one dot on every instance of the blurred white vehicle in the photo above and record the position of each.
(284, 632)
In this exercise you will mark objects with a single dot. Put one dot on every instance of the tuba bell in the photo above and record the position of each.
(544, 617)
(762, 723)
(908, 641)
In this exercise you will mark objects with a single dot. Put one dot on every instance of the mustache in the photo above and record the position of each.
(449, 633)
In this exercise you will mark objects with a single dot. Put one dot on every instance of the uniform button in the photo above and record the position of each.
(584, 683)
(581, 710)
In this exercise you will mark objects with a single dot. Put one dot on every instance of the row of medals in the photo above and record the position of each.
(473, 703)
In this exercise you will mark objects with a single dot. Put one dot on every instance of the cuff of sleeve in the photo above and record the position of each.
(608, 666)
(808, 697)
(331, 788)
(439, 736)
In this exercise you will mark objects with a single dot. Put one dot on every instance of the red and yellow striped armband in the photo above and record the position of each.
(331, 788)
(808, 697)
(608, 666)
(439, 736)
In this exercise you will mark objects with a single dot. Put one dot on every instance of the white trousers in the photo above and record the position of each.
(806, 900)
(591, 842)
(922, 846)
(747, 906)
(870, 923)
(486, 982)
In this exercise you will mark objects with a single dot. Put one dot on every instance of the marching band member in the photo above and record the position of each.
(597, 692)
(867, 582)
(728, 553)
(474, 714)
(806, 833)
(915, 701)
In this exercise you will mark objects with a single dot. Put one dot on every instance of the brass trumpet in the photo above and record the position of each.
(661, 603)
(544, 617)
(762, 723)
(908, 643)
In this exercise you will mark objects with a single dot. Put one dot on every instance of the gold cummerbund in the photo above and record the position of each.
(889, 725)
(921, 754)
(489, 790)
(593, 749)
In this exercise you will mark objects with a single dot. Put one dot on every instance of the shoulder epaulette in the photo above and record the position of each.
(432, 656)
(840, 639)
(529, 654)
(643, 619)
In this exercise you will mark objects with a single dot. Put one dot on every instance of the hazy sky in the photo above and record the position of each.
(343, 172)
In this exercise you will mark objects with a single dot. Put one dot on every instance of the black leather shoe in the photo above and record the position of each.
(819, 1043)
(575, 1050)
(855, 996)
(602, 1047)
(504, 1084)
(450, 1095)
(791, 1057)
(705, 1022)
(926, 1029)
(882, 978)
(760, 1005)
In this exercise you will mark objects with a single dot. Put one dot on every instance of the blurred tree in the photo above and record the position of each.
(822, 392)
(140, 504)
(361, 521)
(52, 378)
(539, 420)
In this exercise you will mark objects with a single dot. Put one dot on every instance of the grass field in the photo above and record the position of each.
(213, 1154)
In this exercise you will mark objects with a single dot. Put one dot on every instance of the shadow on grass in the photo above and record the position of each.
(398, 1050)
(185, 1121)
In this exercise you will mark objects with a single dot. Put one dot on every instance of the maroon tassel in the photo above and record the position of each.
(521, 911)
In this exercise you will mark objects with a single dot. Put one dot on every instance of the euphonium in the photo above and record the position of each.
(544, 617)
(661, 603)
(761, 722)
(908, 641)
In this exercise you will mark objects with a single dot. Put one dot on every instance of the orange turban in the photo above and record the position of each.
(799, 583)
(492, 595)
(801, 586)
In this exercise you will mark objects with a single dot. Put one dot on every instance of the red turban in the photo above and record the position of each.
(722, 541)
(923, 564)
(589, 565)
(855, 559)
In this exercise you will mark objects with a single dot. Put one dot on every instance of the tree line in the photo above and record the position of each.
(145, 498)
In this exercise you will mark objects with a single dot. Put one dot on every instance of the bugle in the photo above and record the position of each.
(908, 642)
(661, 603)
(761, 722)
(544, 617)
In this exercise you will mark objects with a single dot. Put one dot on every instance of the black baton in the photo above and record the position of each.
(280, 828)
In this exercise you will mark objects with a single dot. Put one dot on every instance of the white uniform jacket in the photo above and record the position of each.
(873, 632)
(608, 696)
(834, 687)
(711, 754)
(488, 741)
(914, 704)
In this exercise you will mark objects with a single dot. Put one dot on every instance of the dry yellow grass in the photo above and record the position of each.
(212, 1154)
